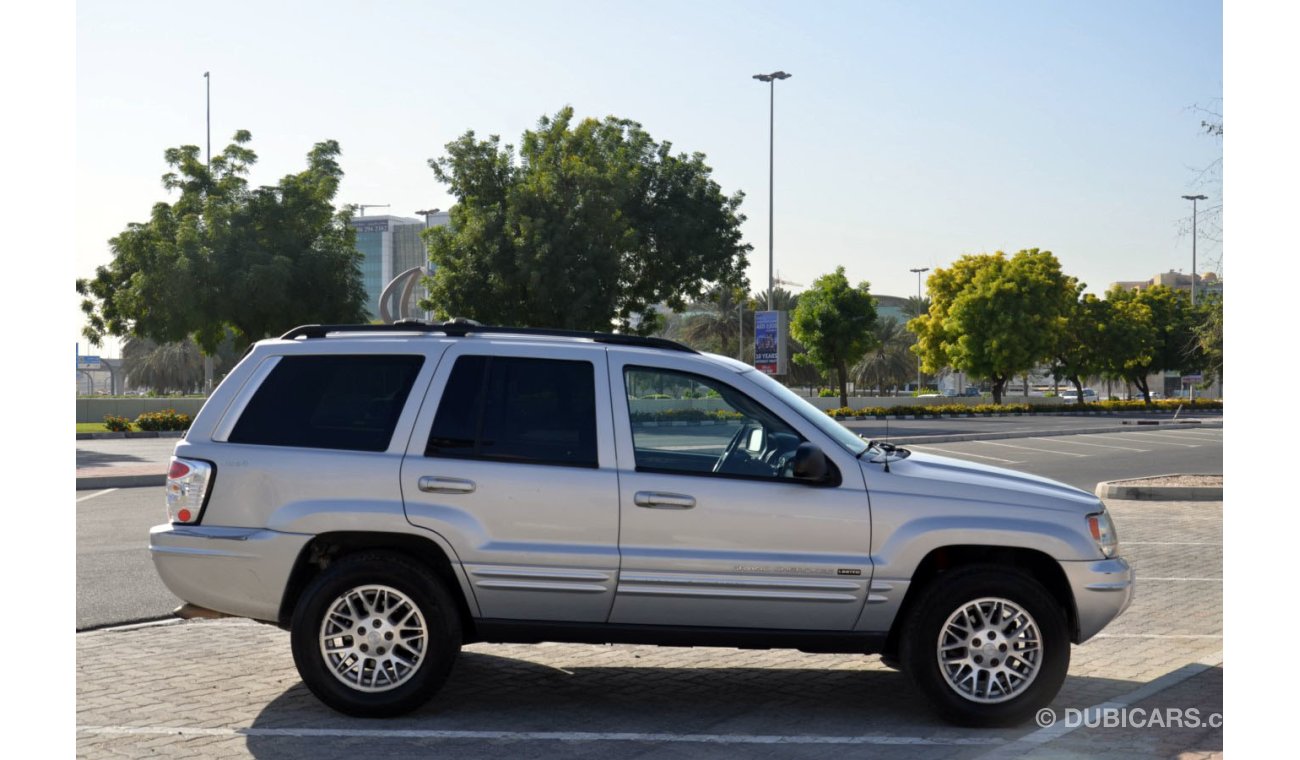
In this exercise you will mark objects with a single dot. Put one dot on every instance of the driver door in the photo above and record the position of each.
(714, 530)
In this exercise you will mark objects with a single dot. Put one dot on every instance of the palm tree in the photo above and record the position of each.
(890, 363)
(915, 307)
(172, 367)
(712, 324)
(165, 368)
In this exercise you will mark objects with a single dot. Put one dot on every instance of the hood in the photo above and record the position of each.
(929, 475)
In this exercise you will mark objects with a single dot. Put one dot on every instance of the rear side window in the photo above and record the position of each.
(510, 409)
(329, 402)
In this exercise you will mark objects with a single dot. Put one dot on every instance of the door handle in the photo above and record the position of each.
(436, 484)
(657, 500)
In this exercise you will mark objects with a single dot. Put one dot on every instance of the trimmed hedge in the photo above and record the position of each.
(687, 415)
(167, 419)
(938, 410)
(116, 424)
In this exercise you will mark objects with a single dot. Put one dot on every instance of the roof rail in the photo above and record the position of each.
(459, 328)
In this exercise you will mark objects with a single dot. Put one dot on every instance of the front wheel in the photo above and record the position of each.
(375, 635)
(987, 646)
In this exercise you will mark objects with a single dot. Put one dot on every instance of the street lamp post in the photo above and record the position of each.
(208, 368)
(426, 213)
(1194, 199)
(918, 273)
(771, 170)
(1191, 391)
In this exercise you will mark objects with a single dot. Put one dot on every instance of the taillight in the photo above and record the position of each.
(187, 489)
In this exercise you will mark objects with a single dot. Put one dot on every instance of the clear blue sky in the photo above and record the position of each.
(911, 133)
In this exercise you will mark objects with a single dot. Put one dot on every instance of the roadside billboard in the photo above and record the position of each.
(769, 342)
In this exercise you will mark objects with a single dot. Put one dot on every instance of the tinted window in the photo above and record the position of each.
(329, 402)
(684, 423)
(538, 411)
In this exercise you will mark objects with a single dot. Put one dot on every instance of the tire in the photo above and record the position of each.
(368, 670)
(966, 615)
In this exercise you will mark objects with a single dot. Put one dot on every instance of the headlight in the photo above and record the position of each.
(1103, 532)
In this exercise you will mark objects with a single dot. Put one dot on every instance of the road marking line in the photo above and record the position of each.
(962, 453)
(1172, 543)
(1162, 438)
(1158, 636)
(93, 495)
(562, 736)
(1208, 436)
(1059, 728)
(1081, 443)
(1207, 580)
(1030, 448)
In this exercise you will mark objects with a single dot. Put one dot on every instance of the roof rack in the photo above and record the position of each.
(459, 328)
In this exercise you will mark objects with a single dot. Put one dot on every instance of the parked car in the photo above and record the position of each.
(1071, 397)
(390, 493)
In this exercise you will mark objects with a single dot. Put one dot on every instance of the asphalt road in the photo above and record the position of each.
(116, 582)
(892, 428)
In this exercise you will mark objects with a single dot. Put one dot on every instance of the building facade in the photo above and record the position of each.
(389, 246)
(1206, 284)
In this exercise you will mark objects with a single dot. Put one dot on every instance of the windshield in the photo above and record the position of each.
(822, 421)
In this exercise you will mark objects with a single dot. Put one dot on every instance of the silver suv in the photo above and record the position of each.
(389, 493)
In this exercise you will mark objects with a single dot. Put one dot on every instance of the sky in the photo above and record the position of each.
(909, 134)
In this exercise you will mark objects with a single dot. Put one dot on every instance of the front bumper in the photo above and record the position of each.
(238, 571)
(1103, 589)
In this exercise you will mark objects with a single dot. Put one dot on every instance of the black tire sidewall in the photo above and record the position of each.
(411, 579)
(943, 597)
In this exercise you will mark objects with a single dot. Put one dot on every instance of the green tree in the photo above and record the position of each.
(994, 317)
(1079, 350)
(1209, 335)
(592, 223)
(226, 256)
(834, 321)
(1171, 340)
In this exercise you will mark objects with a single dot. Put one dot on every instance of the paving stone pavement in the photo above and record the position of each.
(228, 688)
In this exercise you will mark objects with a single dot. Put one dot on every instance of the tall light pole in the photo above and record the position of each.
(1194, 199)
(771, 170)
(1191, 391)
(208, 369)
(426, 213)
(918, 273)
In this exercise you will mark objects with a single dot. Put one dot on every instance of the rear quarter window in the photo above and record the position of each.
(329, 402)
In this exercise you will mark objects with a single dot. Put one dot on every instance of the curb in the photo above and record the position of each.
(1133, 490)
(924, 439)
(132, 434)
(98, 482)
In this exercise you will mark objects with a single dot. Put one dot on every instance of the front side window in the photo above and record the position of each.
(690, 424)
(343, 401)
(513, 409)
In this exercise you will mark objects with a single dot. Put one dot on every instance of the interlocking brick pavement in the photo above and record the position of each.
(228, 688)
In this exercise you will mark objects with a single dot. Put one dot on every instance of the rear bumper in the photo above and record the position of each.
(238, 571)
(1103, 589)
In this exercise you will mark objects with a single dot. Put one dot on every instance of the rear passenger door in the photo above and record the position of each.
(512, 461)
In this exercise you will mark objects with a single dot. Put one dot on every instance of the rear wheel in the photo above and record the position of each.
(375, 635)
(987, 646)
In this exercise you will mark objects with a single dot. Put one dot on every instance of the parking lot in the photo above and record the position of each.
(229, 688)
(1086, 459)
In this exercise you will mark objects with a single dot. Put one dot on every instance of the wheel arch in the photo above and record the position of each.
(325, 548)
(1038, 565)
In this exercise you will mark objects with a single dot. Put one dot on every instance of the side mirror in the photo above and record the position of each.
(809, 463)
